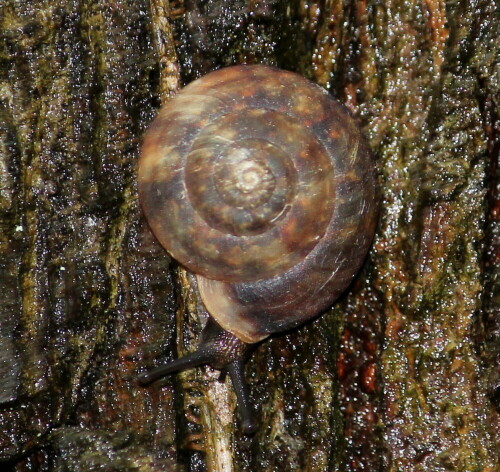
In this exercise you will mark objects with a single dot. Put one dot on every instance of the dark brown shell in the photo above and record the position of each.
(258, 181)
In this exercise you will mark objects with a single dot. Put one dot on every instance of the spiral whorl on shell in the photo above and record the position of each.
(259, 182)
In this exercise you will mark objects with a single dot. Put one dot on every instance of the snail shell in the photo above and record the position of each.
(260, 183)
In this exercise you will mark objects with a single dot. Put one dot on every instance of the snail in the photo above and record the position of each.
(258, 182)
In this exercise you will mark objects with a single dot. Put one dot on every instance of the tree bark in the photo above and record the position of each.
(400, 375)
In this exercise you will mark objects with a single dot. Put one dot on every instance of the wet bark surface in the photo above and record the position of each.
(401, 375)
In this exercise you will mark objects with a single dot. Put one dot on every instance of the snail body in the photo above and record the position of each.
(260, 183)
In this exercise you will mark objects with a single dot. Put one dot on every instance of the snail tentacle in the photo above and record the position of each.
(193, 359)
(236, 372)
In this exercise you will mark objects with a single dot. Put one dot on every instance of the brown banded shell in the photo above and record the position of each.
(258, 181)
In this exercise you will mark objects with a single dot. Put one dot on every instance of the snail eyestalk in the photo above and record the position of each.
(236, 372)
(193, 359)
(223, 351)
